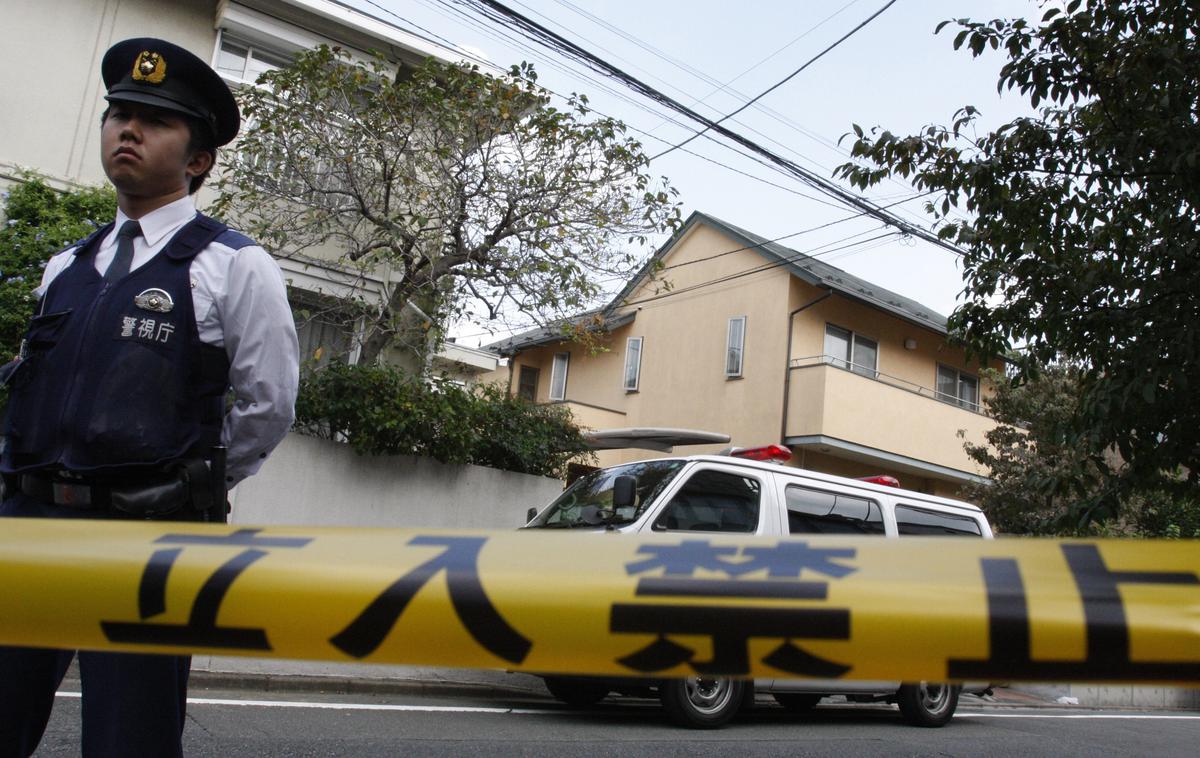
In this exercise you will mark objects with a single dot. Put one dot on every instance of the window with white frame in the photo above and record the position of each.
(954, 386)
(845, 349)
(243, 62)
(558, 376)
(633, 363)
(735, 342)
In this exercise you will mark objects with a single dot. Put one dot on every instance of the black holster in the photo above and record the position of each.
(195, 492)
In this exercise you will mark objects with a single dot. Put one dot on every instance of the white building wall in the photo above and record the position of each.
(50, 74)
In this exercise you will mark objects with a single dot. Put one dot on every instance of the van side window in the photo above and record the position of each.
(713, 501)
(917, 521)
(817, 512)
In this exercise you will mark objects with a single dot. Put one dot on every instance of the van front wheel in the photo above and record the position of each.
(928, 703)
(703, 702)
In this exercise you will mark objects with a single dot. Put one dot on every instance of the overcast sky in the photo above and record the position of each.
(894, 73)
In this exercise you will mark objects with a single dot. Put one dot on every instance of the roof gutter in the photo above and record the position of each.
(787, 365)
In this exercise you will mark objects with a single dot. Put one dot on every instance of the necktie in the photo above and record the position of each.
(124, 257)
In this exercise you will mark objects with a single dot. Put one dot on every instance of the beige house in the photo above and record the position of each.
(49, 74)
(770, 346)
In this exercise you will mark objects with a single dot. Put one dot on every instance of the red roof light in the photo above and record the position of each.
(884, 479)
(764, 453)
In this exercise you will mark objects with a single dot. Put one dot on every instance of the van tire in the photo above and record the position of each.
(928, 704)
(577, 692)
(797, 702)
(704, 702)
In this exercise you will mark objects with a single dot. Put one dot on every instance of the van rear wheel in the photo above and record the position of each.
(704, 702)
(928, 704)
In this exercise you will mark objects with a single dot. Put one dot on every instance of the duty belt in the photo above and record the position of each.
(72, 493)
(159, 495)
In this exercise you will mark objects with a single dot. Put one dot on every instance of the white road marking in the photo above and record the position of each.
(1145, 716)
(535, 711)
(345, 706)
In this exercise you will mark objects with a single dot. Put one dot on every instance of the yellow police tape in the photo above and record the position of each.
(661, 605)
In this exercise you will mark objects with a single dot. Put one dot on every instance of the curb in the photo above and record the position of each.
(500, 684)
(218, 680)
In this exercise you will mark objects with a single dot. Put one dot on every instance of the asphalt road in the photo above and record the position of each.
(265, 725)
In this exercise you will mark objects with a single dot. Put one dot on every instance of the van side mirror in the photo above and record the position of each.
(529, 514)
(624, 492)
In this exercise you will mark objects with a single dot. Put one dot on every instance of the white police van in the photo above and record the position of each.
(743, 491)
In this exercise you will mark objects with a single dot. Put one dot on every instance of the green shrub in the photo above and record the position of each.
(39, 221)
(380, 410)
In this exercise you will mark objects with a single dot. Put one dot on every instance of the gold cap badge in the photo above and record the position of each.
(149, 67)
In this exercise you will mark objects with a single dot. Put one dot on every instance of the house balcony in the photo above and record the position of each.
(881, 420)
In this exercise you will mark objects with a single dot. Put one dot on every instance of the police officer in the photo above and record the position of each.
(118, 402)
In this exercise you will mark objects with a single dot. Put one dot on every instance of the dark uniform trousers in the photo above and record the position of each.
(125, 713)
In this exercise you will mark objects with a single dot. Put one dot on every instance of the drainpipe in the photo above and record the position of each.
(787, 366)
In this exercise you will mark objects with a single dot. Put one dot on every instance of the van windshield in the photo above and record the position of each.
(596, 489)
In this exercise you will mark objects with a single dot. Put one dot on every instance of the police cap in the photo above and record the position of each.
(156, 72)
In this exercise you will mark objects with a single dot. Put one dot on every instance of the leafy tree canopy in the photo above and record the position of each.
(39, 221)
(1082, 230)
(444, 187)
(1039, 473)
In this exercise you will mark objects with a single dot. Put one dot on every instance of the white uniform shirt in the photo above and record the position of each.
(241, 305)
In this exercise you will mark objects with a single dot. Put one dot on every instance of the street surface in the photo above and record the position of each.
(229, 724)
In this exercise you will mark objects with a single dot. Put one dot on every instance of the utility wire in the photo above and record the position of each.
(783, 81)
(470, 55)
(654, 51)
(814, 253)
(719, 86)
(760, 269)
(510, 41)
(809, 230)
(502, 14)
(751, 176)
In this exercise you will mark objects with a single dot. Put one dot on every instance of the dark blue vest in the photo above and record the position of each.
(114, 375)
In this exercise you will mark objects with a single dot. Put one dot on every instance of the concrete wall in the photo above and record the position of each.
(310, 481)
(1116, 696)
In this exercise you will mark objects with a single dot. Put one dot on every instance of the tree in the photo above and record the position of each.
(40, 221)
(1038, 472)
(1082, 229)
(458, 191)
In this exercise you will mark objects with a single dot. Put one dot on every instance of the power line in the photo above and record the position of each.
(683, 65)
(502, 14)
(814, 253)
(654, 51)
(780, 239)
(719, 86)
(505, 39)
(785, 80)
(751, 176)
(761, 268)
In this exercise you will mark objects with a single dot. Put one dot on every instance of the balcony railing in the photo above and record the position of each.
(894, 381)
(871, 410)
